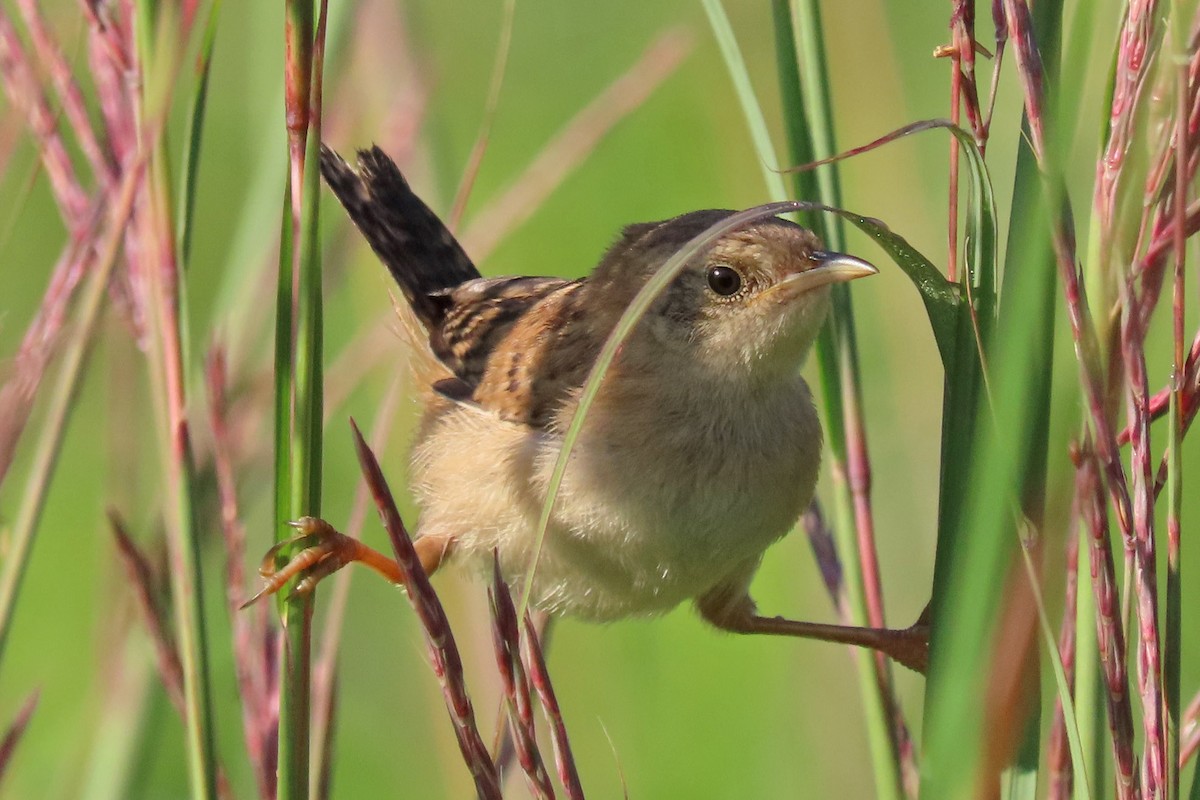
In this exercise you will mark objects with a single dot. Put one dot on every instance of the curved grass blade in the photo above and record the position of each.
(195, 128)
(751, 111)
(940, 295)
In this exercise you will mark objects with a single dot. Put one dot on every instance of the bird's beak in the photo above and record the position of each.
(831, 268)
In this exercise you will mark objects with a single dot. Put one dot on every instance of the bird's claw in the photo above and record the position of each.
(320, 550)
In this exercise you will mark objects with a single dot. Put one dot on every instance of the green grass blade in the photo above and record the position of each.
(283, 373)
(751, 110)
(194, 130)
(808, 112)
(974, 545)
(167, 300)
(306, 43)
(814, 99)
(1030, 257)
(940, 296)
(1173, 617)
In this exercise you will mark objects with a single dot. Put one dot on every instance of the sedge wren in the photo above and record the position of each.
(700, 450)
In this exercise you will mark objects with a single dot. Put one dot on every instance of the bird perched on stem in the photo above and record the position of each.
(700, 450)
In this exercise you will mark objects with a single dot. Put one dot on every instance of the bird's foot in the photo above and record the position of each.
(734, 611)
(320, 550)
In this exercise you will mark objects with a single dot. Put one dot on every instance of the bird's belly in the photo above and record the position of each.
(641, 539)
(632, 533)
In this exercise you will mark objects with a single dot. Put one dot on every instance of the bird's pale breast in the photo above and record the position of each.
(667, 492)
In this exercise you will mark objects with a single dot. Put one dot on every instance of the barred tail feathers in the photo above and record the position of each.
(419, 251)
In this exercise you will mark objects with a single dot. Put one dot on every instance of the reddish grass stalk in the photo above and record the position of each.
(1189, 383)
(81, 216)
(72, 103)
(964, 91)
(1110, 634)
(1130, 78)
(1083, 330)
(1175, 165)
(298, 58)
(162, 299)
(564, 759)
(858, 480)
(1000, 22)
(824, 548)
(12, 737)
(38, 345)
(158, 626)
(17, 75)
(155, 618)
(439, 640)
(506, 639)
(1191, 744)
(1145, 569)
(962, 35)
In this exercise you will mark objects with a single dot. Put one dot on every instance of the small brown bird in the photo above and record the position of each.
(700, 450)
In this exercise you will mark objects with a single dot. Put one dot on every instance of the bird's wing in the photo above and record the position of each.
(521, 372)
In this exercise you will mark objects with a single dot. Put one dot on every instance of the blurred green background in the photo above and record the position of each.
(667, 707)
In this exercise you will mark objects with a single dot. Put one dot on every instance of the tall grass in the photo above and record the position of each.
(1026, 381)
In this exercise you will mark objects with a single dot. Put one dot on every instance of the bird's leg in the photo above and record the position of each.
(909, 646)
(324, 550)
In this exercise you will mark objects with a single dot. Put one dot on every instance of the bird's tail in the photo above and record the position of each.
(423, 256)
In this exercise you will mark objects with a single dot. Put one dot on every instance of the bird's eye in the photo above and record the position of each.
(724, 280)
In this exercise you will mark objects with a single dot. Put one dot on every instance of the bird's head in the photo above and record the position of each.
(750, 305)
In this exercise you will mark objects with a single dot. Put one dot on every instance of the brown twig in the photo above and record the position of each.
(439, 640)
(506, 640)
(564, 760)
